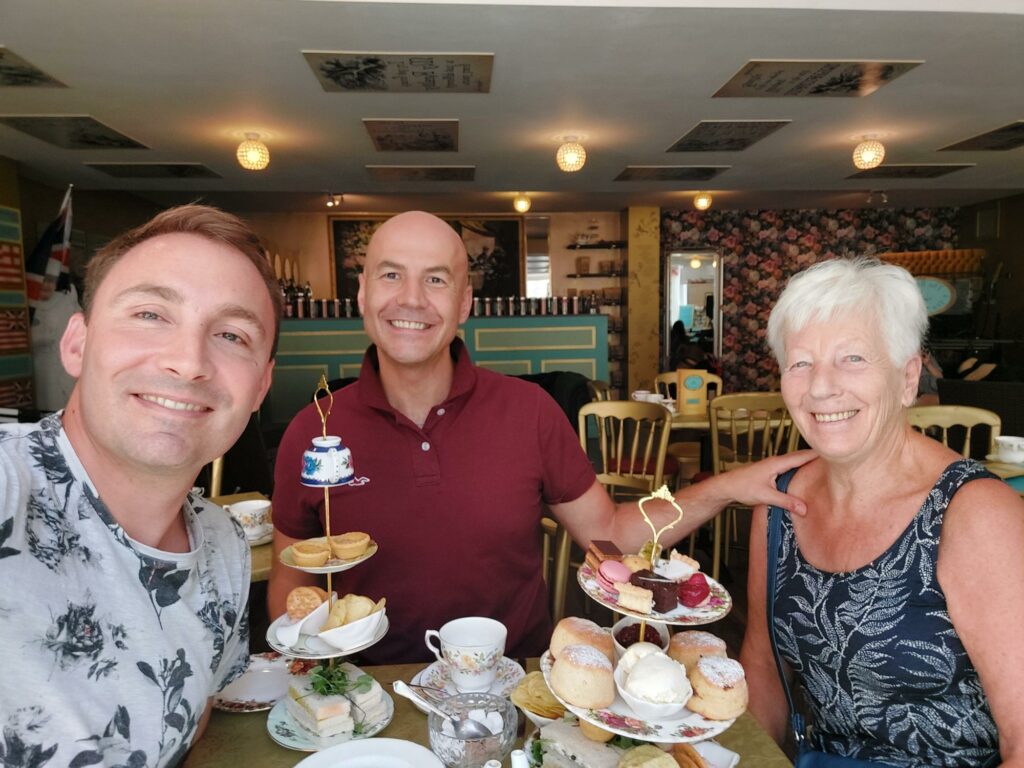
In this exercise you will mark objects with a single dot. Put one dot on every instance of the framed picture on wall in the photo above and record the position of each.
(495, 246)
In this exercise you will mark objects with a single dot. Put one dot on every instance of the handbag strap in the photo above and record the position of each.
(796, 720)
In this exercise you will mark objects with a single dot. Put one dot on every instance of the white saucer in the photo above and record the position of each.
(379, 753)
(263, 537)
(437, 675)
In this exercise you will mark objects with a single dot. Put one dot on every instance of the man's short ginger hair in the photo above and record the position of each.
(202, 220)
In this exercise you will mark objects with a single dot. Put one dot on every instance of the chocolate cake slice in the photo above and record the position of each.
(665, 594)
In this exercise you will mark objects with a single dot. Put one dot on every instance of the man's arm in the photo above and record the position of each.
(284, 579)
(595, 516)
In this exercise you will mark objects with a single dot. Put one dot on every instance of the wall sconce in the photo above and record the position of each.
(522, 203)
(868, 154)
(253, 154)
(702, 201)
(334, 201)
(571, 156)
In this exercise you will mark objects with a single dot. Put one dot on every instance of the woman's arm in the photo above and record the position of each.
(767, 699)
(981, 570)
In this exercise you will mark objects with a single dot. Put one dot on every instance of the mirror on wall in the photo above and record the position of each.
(538, 261)
(693, 295)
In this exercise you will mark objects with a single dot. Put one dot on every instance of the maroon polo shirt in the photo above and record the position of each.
(455, 506)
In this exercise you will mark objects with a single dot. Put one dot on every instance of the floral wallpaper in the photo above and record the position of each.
(762, 249)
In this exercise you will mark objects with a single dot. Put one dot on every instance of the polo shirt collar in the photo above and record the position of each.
(371, 388)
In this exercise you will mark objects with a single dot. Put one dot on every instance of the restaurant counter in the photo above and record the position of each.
(236, 739)
(510, 345)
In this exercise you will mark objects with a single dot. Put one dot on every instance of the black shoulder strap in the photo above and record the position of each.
(796, 720)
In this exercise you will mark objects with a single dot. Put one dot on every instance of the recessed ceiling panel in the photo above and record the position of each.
(361, 72)
(671, 172)
(155, 170)
(725, 135)
(413, 135)
(1001, 139)
(769, 78)
(909, 171)
(70, 131)
(421, 172)
(15, 72)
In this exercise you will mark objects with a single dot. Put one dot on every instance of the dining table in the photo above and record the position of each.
(262, 554)
(241, 739)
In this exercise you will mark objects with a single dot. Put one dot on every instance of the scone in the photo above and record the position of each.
(350, 545)
(647, 756)
(312, 553)
(719, 688)
(582, 676)
(572, 630)
(687, 647)
(302, 601)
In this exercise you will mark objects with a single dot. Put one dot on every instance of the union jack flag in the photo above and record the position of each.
(47, 267)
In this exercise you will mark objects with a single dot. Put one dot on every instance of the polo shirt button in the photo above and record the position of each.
(425, 445)
(440, 411)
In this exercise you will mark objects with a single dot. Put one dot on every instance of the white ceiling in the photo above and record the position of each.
(188, 78)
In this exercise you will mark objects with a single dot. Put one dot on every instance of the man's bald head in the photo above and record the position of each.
(406, 230)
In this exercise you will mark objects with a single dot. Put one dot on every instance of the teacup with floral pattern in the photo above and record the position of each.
(471, 647)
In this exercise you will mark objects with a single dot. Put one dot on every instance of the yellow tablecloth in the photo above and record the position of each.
(234, 739)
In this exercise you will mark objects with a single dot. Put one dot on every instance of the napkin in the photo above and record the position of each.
(715, 755)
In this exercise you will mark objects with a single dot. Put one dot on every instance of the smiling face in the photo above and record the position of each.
(173, 359)
(844, 392)
(414, 290)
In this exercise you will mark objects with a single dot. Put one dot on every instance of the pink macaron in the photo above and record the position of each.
(610, 572)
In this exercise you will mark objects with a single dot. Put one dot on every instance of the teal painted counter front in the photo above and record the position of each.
(511, 345)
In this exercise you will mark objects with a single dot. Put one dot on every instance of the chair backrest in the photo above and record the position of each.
(749, 426)
(665, 384)
(631, 441)
(557, 546)
(692, 386)
(599, 390)
(943, 418)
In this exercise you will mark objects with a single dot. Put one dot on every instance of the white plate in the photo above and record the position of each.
(994, 458)
(619, 718)
(332, 566)
(263, 538)
(716, 608)
(437, 675)
(379, 753)
(261, 686)
(285, 731)
(310, 647)
(714, 754)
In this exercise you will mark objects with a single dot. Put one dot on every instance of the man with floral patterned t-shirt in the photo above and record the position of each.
(123, 607)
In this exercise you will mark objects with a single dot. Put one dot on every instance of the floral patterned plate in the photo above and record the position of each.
(261, 686)
(619, 718)
(312, 647)
(285, 731)
(333, 566)
(716, 608)
(439, 676)
(713, 753)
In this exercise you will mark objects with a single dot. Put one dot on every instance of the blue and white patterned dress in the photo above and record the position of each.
(883, 671)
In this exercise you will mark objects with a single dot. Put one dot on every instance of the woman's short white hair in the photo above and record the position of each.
(860, 287)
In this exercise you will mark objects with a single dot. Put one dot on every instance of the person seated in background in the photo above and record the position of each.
(931, 372)
(460, 462)
(898, 603)
(683, 353)
(124, 594)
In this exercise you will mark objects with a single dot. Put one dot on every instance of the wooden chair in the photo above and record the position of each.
(745, 427)
(631, 439)
(693, 389)
(944, 417)
(686, 454)
(556, 548)
(599, 390)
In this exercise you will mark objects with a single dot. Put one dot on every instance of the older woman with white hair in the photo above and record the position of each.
(898, 600)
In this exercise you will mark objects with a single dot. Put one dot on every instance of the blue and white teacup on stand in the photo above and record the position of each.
(328, 462)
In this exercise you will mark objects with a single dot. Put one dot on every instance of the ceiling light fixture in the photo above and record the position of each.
(571, 155)
(253, 154)
(702, 201)
(868, 154)
(333, 201)
(695, 263)
(522, 203)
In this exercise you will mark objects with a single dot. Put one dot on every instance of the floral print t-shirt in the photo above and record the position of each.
(884, 673)
(111, 648)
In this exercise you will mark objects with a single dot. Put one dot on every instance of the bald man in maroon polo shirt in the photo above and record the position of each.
(461, 462)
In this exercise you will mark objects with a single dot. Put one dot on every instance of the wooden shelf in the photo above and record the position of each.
(603, 245)
(598, 274)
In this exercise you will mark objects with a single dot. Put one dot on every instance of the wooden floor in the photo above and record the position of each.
(733, 577)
